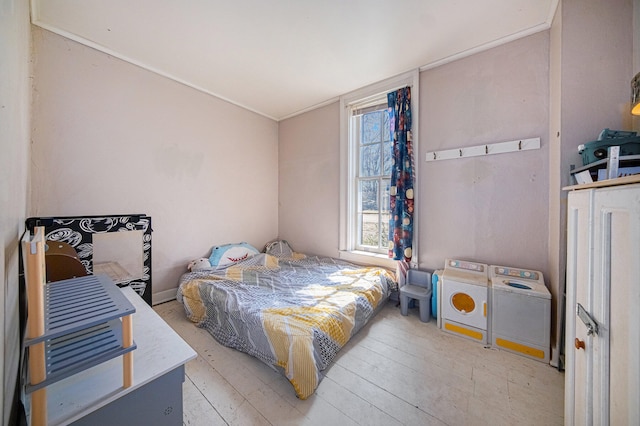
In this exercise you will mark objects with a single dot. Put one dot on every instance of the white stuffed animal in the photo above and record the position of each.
(197, 264)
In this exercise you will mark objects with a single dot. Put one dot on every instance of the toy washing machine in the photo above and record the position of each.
(464, 300)
(521, 312)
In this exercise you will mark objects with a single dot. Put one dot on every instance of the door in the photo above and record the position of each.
(617, 293)
(578, 380)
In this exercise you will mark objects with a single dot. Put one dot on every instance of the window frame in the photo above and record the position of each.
(349, 154)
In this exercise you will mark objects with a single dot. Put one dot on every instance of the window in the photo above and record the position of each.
(366, 155)
(371, 139)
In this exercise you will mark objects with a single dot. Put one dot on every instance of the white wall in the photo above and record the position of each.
(557, 197)
(15, 94)
(592, 50)
(491, 209)
(596, 72)
(112, 138)
(309, 182)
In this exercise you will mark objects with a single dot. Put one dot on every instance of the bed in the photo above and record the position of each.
(292, 311)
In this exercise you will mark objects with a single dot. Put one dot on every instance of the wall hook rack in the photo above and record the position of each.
(487, 149)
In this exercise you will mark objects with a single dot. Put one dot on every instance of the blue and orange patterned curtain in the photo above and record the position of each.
(401, 188)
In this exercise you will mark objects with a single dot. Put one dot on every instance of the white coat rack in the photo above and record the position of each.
(487, 149)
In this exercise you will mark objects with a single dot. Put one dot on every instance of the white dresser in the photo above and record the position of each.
(602, 355)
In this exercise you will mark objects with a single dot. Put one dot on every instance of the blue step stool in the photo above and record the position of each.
(418, 288)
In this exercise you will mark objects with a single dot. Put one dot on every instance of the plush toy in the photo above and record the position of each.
(202, 263)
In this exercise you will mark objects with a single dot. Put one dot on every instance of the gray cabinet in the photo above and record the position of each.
(96, 396)
(157, 403)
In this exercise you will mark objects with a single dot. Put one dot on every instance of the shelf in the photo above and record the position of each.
(598, 171)
(79, 303)
(82, 326)
(73, 353)
(625, 180)
(602, 164)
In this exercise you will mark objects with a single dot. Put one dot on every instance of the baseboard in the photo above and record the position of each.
(555, 355)
(163, 296)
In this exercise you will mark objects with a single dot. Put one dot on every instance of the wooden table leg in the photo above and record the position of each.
(127, 359)
(33, 251)
(37, 370)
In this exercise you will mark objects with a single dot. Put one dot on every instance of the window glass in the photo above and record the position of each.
(371, 134)
(387, 158)
(371, 127)
(368, 213)
(370, 160)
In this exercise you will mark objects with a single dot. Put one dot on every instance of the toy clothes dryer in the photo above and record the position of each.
(521, 312)
(465, 300)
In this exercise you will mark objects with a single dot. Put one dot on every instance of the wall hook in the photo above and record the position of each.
(474, 151)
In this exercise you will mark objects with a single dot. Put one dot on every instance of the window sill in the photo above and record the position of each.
(367, 258)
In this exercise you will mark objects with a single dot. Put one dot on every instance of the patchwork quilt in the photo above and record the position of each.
(293, 312)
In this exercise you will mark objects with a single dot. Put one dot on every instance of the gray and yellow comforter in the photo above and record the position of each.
(293, 313)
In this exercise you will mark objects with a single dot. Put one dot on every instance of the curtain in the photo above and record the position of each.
(401, 187)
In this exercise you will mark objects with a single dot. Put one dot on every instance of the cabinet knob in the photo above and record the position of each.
(579, 344)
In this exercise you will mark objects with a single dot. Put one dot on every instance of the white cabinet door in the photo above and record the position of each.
(602, 379)
(617, 299)
(578, 407)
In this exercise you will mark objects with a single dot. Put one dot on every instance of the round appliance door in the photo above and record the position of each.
(465, 303)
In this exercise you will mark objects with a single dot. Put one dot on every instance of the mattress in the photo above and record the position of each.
(292, 312)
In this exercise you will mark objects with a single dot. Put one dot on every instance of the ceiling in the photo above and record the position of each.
(283, 57)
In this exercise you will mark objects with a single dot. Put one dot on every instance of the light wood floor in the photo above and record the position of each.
(395, 371)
